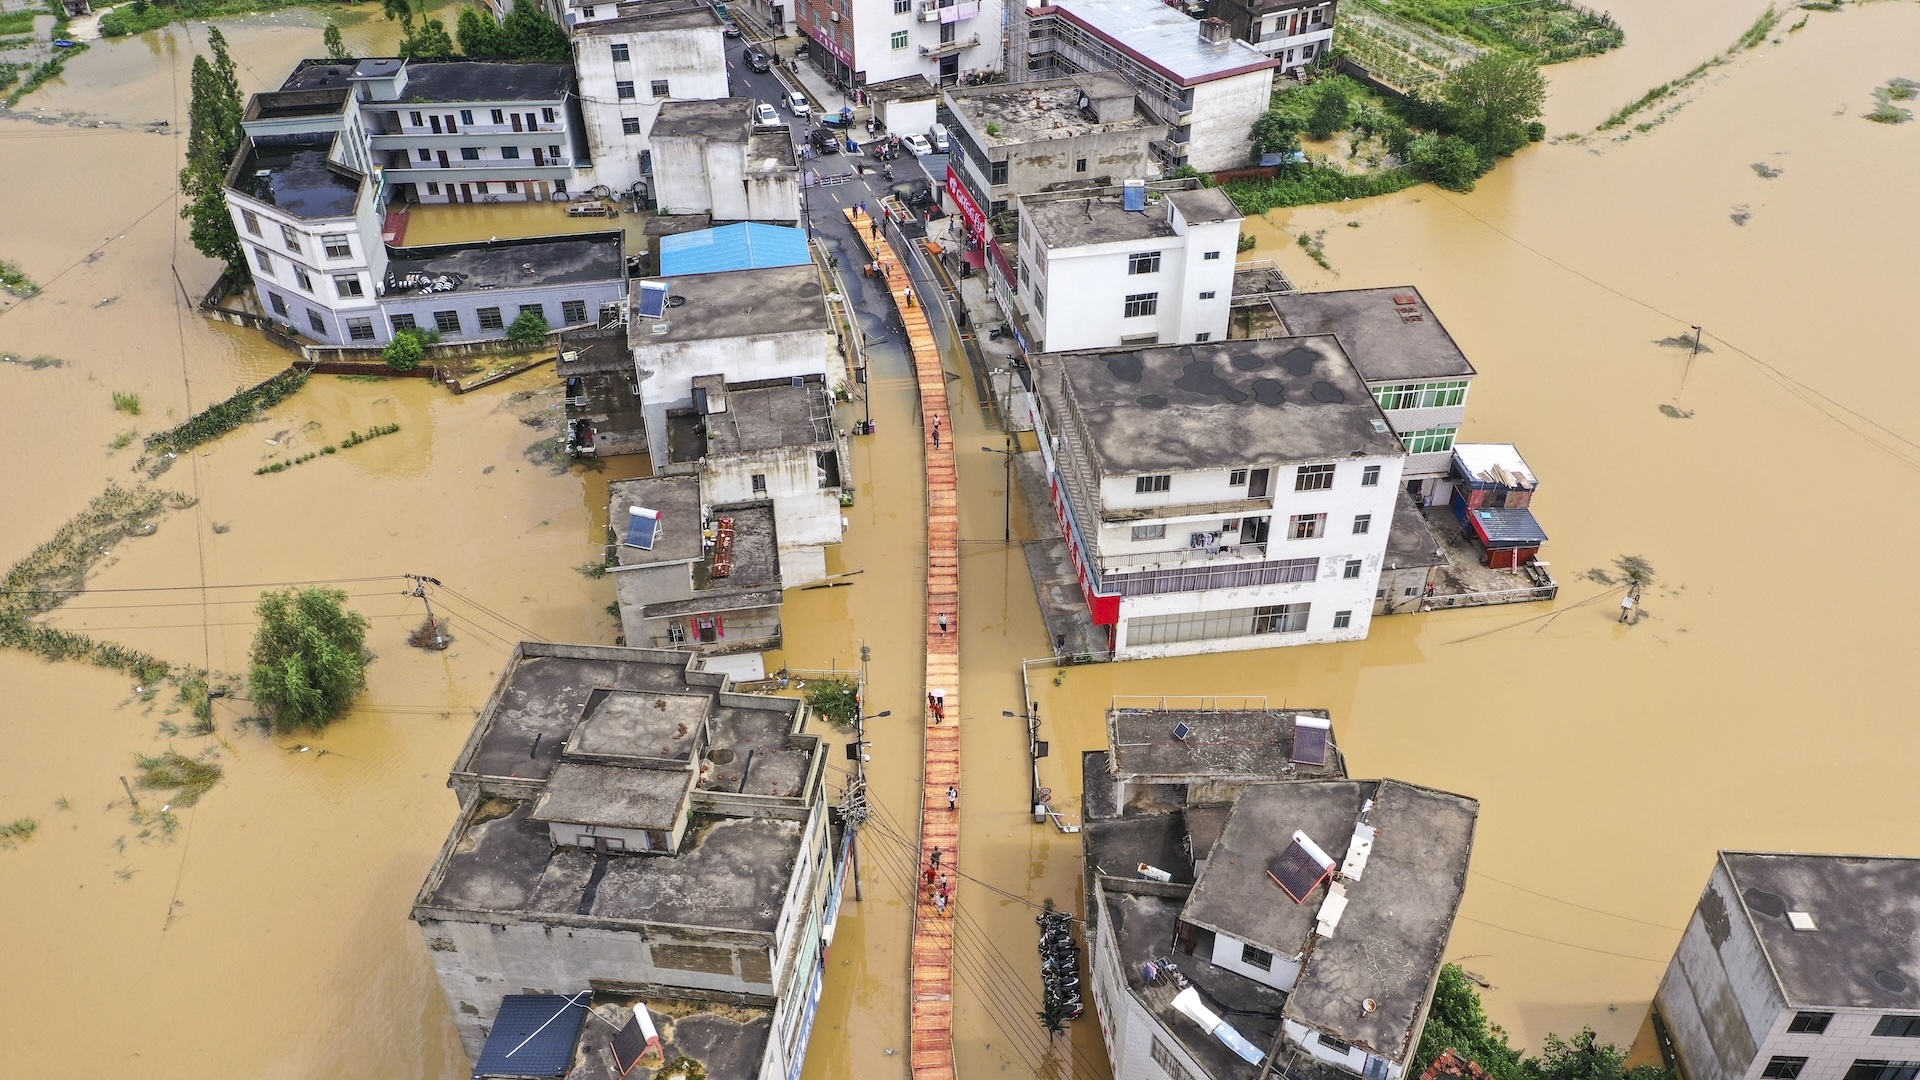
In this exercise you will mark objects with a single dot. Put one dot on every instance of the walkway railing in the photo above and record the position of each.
(930, 1046)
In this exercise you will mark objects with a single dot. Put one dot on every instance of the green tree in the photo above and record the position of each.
(213, 137)
(1447, 160)
(1455, 1021)
(309, 657)
(1492, 100)
(532, 36)
(429, 41)
(480, 36)
(1330, 113)
(1276, 133)
(836, 701)
(401, 10)
(528, 329)
(1585, 1057)
(405, 351)
(335, 44)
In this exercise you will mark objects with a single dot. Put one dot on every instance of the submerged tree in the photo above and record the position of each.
(530, 35)
(336, 45)
(481, 37)
(213, 137)
(309, 657)
(428, 41)
(1493, 100)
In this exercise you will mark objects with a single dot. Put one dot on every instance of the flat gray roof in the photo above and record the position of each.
(1863, 952)
(485, 80)
(770, 417)
(677, 538)
(1410, 542)
(511, 264)
(1220, 744)
(1392, 938)
(721, 120)
(756, 551)
(614, 796)
(1035, 112)
(1218, 405)
(1095, 219)
(642, 18)
(1236, 897)
(1203, 205)
(297, 177)
(1390, 334)
(638, 725)
(762, 755)
(729, 874)
(737, 304)
(1165, 39)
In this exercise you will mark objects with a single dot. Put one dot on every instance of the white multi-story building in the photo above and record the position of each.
(1194, 77)
(1798, 967)
(1410, 363)
(1294, 32)
(857, 42)
(1219, 496)
(630, 59)
(1135, 265)
(709, 158)
(1025, 138)
(629, 828)
(1307, 920)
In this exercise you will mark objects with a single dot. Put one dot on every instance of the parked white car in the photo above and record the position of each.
(797, 104)
(764, 116)
(916, 144)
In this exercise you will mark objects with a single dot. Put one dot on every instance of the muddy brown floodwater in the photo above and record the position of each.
(1752, 707)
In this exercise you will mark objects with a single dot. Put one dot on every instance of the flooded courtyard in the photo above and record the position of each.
(1750, 707)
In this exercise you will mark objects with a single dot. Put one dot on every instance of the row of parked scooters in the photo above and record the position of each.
(1060, 963)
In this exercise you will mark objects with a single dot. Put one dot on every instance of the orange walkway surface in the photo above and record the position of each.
(931, 1019)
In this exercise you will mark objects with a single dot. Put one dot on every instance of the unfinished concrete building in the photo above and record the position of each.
(630, 829)
(692, 573)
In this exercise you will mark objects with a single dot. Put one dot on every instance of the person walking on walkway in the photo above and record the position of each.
(860, 208)
(873, 226)
(953, 797)
(909, 292)
(940, 903)
(929, 877)
(936, 856)
(936, 439)
(943, 622)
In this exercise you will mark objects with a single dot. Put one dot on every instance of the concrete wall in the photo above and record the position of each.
(1718, 997)
(1849, 1037)
(1220, 121)
(694, 175)
(665, 369)
(551, 299)
(644, 585)
(1076, 297)
(735, 631)
(1227, 952)
(875, 23)
(320, 294)
(1131, 1031)
(692, 61)
(902, 117)
(774, 196)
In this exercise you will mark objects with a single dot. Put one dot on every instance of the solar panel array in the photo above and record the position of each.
(1311, 736)
(653, 299)
(1297, 870)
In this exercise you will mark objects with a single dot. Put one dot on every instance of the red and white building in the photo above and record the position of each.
(857, 42)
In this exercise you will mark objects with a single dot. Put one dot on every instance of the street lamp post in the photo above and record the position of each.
(1007, 510)
(858, 751)
(1033, 750)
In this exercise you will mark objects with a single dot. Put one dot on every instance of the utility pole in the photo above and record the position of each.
(1007, 509)
(1696, 352)
(1033, 751)
(420, 583)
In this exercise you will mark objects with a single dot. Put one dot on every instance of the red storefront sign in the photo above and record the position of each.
(970, 211)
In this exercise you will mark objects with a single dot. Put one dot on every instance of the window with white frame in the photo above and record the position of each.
(291, 238)
(262, 261)
(1342, 620)
(1362, 523)
(1209, 294)
(630, 125)
(623, 90)
(1203, 336)
(902, 7)
(1306, 526)
(1210, 256)
(899, 39)
(1430, 440)
(619, 50)
(348, 285)
(1143, 262)
(1168, 1064)
(1147, 485)
(251, 220)
(1281, 619)
(1150, 532)
(1370, 476)
(360, 329)
(1426, 395)
(1139, 305)
(306, 282)
(336, 246)
(1237, 478)
(1351, 570)
(1313, 478)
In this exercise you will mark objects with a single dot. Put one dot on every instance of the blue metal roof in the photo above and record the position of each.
(732, 247)
(534, 1036)
(1508, 528)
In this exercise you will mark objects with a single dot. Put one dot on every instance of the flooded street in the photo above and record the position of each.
(1751, 706)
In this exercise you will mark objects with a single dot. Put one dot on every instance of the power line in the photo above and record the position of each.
(190, 603)
(1557, 941)
(194, 588)
(1569, 903)
(458, 595)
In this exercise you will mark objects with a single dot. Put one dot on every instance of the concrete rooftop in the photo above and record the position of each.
(1222, 745)
(729, 874)
(614, 796)
(653, 17)
(1218, 405)
(727, 1040)
(737, 304)
(297, 178)
(1236, 897)
(448, 82)
(1036, 112)
(727, 120)
(1383, 345)
(677, 498)
(1065, 220)
(1864, 950)
(1165, 39)
(510, 264)
(1410, 543)
(639, 725)
(770, 417)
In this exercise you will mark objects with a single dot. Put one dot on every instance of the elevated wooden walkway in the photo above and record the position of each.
(931, 1017)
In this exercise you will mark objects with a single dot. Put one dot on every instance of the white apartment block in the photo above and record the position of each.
(1136, 265)
(1414, 369)
(710, 158)
(1798, 967)
(857, 42)
(1195, 77)
(630, 59)
(1294, 32)
(1216, 496)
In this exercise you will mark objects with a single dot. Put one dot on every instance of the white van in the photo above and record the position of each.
(939, 133)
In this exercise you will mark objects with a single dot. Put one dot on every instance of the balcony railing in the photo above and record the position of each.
(949, 48)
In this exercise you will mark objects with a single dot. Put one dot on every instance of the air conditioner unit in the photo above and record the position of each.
(835, 16)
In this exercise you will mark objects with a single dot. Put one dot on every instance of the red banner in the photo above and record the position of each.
(969, 210)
